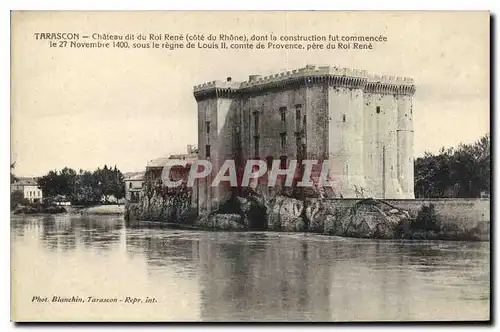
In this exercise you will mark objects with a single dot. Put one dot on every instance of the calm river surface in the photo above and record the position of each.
(259, 276)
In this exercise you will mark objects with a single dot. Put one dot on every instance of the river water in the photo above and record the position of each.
(223, 276)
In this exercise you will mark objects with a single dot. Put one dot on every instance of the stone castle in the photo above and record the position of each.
(362, 124)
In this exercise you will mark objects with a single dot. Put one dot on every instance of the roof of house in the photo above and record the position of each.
(25, 182)
(134, 176)
(164, 161)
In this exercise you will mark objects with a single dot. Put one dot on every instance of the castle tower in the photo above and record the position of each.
(345, 131)
(217, 125)
(405, 138)
(362, 124)
(388, 136)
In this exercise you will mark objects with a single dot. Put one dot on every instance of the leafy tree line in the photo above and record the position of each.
(84, 187)
(463, 171)
(13, 178)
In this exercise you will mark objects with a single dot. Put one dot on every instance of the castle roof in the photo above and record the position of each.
(338, 76)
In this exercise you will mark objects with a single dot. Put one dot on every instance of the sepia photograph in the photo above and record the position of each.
(250, 166)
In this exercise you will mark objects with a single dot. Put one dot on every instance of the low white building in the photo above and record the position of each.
(29, 188)
(133, 186)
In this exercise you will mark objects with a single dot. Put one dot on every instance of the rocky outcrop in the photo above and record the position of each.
(365, 218)
(316, 215)
(286, 214)
(254, 212)
(159, 203)
(218, 221)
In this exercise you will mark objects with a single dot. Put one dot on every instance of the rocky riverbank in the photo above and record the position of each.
(55, 209)
(367, 218)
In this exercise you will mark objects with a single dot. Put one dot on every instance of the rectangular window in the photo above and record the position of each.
(269, 162)
(256, 122)
(283, 142)
(298, 117)
(378, 109)
(283, 114)
(283, 162)
(298, 112)
(207, 151)
(207, 125)
(256, 141)
(300, 148)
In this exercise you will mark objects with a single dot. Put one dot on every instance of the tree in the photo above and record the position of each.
(13, 178)
(58, 183)
(118, 186)
(84, 187)
(50, 184)
(460, 172)
(17, 198)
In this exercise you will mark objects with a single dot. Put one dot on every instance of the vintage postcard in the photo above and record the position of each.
(258, 166)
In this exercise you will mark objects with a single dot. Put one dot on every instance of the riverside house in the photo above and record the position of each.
(29, 188)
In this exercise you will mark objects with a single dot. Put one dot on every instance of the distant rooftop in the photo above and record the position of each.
(134, 176)
(25, 182)
(190, 157)
(163, 161)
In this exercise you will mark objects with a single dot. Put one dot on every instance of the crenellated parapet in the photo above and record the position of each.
(389, 85)
(217, 84)
(308, 76)
(388, 88)
(216, 89)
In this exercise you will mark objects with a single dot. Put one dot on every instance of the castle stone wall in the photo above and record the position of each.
(405, 145)
(345, 139)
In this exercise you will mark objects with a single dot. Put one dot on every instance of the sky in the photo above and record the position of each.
(84, 108)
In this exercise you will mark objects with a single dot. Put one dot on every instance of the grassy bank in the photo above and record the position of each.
(100, 209)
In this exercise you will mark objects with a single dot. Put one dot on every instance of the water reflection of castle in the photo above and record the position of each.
(265, 277)
(258, 281)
